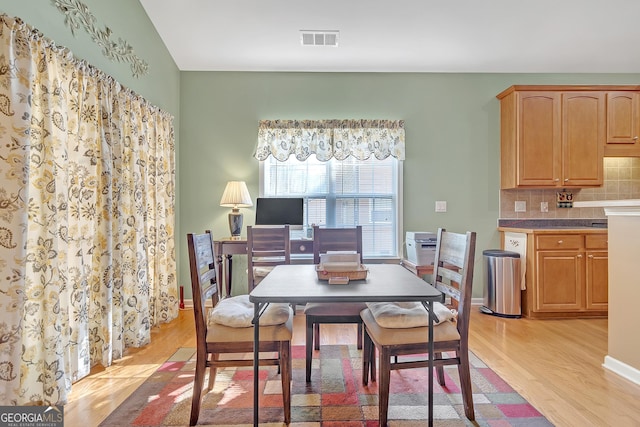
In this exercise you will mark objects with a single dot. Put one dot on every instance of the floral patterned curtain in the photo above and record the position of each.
(87, 262)
(330, 138)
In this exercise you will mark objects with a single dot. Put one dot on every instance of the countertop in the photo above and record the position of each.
(607, 203)
(551, 226)
(555, 230)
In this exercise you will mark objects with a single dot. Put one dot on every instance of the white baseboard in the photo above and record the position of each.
(625, 371)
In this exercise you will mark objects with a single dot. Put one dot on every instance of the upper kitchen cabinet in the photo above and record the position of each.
(551, 138)
(623, 124)
(583, 133)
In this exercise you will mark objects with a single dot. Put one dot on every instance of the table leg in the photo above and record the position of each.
(256, 340)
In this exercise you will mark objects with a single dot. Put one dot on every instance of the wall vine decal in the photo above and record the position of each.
(77, 15)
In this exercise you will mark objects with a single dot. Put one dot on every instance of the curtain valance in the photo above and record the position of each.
(330, 138)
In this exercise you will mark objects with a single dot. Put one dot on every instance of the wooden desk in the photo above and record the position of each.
(226, 248)
(299, 284)
(418, 270)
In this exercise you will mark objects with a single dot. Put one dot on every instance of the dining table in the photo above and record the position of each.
(301, 284)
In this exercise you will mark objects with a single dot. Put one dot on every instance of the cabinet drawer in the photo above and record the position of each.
(559, 241)
(597, 241)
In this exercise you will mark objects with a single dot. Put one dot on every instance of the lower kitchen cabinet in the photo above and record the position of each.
(597, 268)
(566, 274)
(561, 281)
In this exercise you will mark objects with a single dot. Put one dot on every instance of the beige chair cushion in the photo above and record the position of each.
(334, 309)
(261, 272)
(446, 331)
(408, 314)
(220, 333)
(237, 312)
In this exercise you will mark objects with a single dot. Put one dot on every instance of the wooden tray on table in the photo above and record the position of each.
(337, 277)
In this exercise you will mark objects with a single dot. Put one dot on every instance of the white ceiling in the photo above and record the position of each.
(511, 36)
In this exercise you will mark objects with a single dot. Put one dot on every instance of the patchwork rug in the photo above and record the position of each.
(335, 396)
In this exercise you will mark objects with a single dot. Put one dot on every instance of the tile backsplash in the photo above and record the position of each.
(621, 181)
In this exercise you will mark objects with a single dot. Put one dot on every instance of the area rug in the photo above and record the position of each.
(335, 396)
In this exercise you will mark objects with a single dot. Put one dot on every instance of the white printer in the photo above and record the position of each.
(421, 247)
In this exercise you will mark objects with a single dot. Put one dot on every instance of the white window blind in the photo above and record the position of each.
(343, 193)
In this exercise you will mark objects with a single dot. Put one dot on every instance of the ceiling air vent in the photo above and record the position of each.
(319, 38)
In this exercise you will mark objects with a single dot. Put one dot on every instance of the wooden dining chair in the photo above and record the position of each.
(267, 246)
(226, 327)
(325, 240)
(386, 326)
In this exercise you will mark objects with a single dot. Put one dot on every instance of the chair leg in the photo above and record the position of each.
(201, 367)
(308, 346)
(366, 358)
(285, 369)
(359, 344)
(316, 336)
(465, 384)
(383, 386)
(212, 370)
(439, 369)
(372, 363)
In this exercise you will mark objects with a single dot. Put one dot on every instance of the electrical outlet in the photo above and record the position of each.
(521, 206)
(544, 206)
(441, 206)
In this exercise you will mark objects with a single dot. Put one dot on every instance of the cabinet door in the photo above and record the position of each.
(560, 280)
(583, 138)
(623, 124)
(597, 280)
(539, 139)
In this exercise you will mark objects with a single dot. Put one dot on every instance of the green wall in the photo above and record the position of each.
(452, 141)
(451, 122)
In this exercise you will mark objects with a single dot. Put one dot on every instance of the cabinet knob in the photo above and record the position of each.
(557, 179)
(635, 138)
(590, 256)
(580, 256)
(566, 180)
(560, 242)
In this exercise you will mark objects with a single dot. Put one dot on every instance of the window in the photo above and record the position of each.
(349, 172)
(343, 193)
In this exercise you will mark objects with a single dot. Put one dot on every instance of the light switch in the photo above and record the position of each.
(544, 206)
(441, 206)
(521, 206)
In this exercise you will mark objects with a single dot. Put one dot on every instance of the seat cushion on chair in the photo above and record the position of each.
(446, 331)
(261, 271)
(407, 314)
(219, 333)
(334, 309)
(237, 312)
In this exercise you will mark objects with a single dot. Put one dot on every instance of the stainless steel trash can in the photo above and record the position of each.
(501, 283)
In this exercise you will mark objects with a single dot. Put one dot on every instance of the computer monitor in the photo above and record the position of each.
(280, 211)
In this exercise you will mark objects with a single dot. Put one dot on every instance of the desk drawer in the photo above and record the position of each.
(302, 247)
(560, 241)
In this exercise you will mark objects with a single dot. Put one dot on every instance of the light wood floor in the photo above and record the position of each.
(554, 364)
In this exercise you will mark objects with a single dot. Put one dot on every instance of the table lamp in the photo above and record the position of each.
(236, 195)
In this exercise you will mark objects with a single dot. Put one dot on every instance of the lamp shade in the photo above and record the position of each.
(236, 195)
